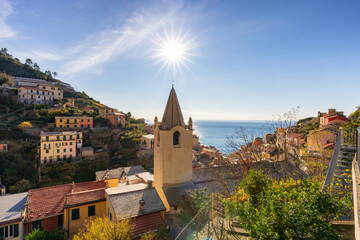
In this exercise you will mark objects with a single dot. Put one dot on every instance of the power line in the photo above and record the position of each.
(14, 111)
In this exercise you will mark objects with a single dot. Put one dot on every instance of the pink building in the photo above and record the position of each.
(3, 147)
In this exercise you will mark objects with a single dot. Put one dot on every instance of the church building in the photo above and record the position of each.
(172, 152)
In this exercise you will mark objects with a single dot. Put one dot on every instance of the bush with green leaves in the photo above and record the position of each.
(190, 204)
(37, 234)
(21, 186)
(284, 211)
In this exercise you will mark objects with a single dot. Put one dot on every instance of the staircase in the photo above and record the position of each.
(339, 175)
(342, 178)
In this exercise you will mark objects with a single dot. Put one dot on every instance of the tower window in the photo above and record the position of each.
(176, 138)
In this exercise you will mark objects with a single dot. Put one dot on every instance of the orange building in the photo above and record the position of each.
(77, 122)
(116, 119)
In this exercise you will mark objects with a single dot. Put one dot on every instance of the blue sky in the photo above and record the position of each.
(249, 60)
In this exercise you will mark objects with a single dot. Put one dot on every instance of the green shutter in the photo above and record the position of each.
(16, 230)
(1, 233)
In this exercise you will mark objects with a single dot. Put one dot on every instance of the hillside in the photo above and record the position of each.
(12, 66)
(114, 146)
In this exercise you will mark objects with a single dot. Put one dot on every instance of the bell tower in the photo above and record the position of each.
(173, 146)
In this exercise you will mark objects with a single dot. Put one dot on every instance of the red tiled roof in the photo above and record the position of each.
(332, 118)
(36, 89)
(49, 201)
(85, 197)
(148, 222)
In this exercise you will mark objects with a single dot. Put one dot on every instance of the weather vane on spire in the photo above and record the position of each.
(172, 82)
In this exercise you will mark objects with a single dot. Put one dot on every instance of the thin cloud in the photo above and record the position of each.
(6, 32)
(107, 45)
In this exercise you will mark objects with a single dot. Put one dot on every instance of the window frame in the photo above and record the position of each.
(75, 214)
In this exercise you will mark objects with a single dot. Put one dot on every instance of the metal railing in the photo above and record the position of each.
(350, 137)
(358, 148)
(334, 158)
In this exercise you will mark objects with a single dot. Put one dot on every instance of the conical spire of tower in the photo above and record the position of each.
(172, 116)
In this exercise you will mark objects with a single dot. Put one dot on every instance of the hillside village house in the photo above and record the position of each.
(30, 93)
(318, 140)
(87, 152)
(334, 120)
(116, 119)
(67, 206)
(146, 149)
(268, 148)
(119, 174)
(81, 206)
(295, 139)
(59, 145)
(147, 142)
(3, 147)
(33, 82)
(77, 122)
(105, 110)
(137, 202)
(332, 117)
(11, 215)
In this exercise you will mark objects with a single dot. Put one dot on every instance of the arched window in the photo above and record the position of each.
(176, 138)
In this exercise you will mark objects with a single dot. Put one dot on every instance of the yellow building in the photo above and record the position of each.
(104, 111)
(56, 91)
(59, 145)
(80, 207)
(77, 122)
(172, 150)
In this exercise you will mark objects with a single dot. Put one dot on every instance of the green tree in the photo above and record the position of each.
(6, 79)
(28, 62)
(48, 73)
(4, 51)
(21, 186)
(255, 184)
(287, 211)
(36, 66)
(37, 234)
(191, 204)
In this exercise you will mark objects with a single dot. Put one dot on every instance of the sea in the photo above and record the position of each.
(216, 133)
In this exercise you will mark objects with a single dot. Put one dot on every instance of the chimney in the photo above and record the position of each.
(65, 200)
(72, 187)
(142, 204)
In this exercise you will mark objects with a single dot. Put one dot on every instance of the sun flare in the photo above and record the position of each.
(173, 51)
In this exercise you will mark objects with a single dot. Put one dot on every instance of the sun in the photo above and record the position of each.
(174, 51)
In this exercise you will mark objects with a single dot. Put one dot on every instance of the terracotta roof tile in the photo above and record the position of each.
(49, 201)
(85, 197)
(148, 222)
